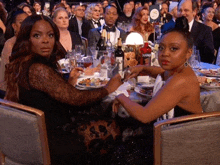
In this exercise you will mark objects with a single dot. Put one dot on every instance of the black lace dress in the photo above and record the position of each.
(67, 112)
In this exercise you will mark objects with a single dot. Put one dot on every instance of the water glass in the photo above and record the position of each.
(72, 62)
(194, 60)
(78, 49)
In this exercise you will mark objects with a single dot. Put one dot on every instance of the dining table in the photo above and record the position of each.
(210, 99)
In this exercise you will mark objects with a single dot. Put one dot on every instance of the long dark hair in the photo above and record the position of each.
(10, 20)
(22, 56)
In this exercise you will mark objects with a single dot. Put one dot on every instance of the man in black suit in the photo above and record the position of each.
(110, 16)
(75, 23)
(202, 34)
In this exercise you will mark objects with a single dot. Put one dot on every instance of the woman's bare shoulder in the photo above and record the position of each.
(186, 79)
(10, 41)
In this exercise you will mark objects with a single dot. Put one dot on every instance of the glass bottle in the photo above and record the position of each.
(145, 55)
(119, 56)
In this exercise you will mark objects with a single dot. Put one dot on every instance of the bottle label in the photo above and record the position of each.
(147, 59)
(120, 63)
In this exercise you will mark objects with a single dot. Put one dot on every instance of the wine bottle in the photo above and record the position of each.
(119, 57)
(164, 18)
(101, 45)
(108, 42)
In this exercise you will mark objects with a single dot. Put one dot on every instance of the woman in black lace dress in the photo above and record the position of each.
(32, 79)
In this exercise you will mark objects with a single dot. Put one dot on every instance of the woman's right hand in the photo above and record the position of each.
(134, 71)
(113, 83)
(74, 74)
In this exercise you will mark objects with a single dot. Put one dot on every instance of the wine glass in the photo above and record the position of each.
(87, 61)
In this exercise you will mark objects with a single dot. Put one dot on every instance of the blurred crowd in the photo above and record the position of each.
(76, 22)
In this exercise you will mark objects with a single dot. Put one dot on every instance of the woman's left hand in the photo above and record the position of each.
(74, 74)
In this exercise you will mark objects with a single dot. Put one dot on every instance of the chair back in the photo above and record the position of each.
(85, 43)
(193, 139)
(23, 136)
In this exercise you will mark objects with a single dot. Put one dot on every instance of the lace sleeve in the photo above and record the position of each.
(44, 78)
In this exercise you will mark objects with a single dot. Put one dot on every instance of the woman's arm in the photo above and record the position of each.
(2, 26)
(44, 78)
(166, 99)
(152, 71)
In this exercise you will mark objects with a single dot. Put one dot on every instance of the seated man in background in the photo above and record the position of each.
(126, 16)
(171, 23)
(202, 34)
(164, 12)
(217, 16)
(110, 16)
(75, 24)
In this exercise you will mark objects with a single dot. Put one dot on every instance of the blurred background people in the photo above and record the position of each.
(37, 7)
(141, 24)
(217, 16)
(92, 19)
(75, 24)
(105, 3)
(110, 16)
(171, 23)
(28, 9)
(13, 24)
(68, 39)
(3, 17)
(164, 12)
(137, 5)
(208, 13)
(126, 16)
(202, 34)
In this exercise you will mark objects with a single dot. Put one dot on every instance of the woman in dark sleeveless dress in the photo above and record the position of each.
(178, 93)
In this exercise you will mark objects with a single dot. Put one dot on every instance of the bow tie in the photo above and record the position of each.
(108, 29)
(97, 23)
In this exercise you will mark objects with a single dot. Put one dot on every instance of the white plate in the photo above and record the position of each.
(208, 87)
(91, 85)
(207, 72)
(146, 85)
(137, 89)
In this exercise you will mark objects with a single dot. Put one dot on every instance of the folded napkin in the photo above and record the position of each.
(123, 89)
(158, 84)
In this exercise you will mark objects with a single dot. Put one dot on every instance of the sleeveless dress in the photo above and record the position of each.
(137, 149)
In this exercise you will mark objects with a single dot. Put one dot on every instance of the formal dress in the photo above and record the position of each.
(63, 120)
